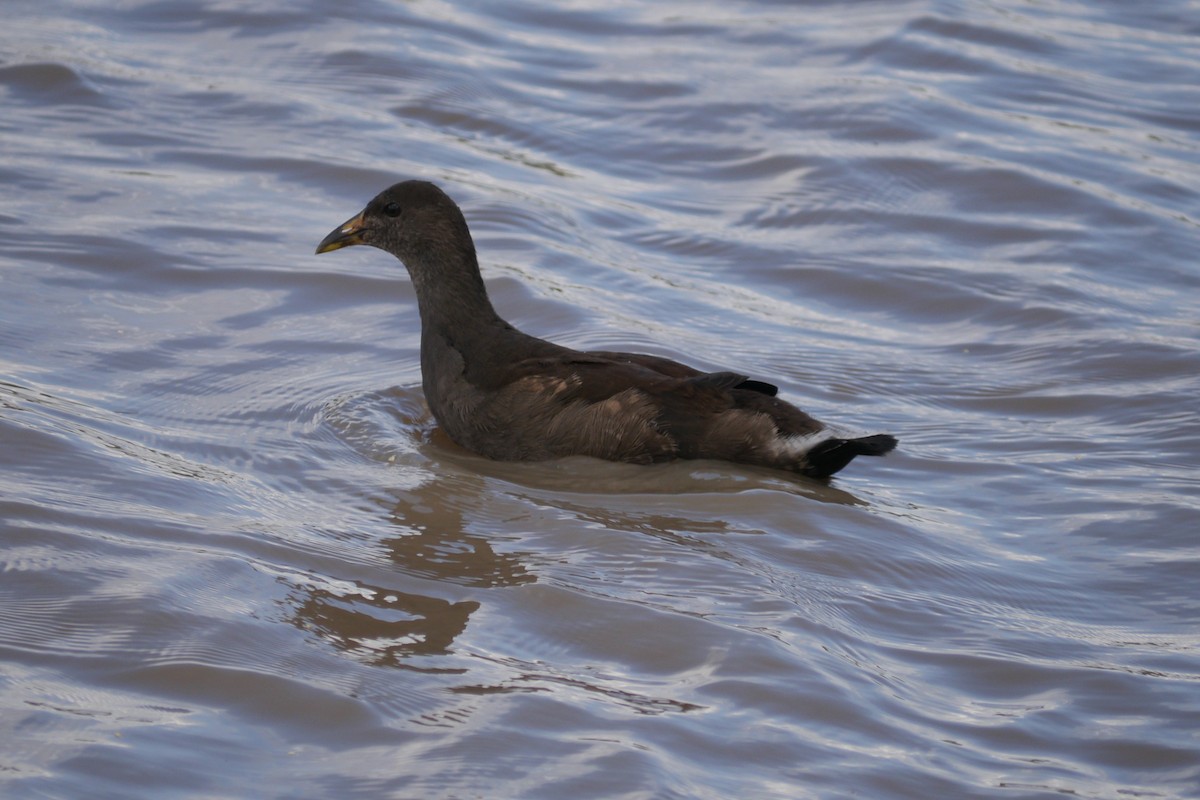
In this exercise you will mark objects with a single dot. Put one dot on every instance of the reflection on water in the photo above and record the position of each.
(382, 627)
(238, 558)
(435, 544)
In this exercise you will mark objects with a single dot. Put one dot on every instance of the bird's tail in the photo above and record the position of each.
(831, 455)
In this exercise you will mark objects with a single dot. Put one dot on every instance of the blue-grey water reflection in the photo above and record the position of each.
(238, 559)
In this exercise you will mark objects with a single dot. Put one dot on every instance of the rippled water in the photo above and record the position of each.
(239, 560)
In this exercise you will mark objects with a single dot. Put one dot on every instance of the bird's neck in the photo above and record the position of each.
(462, 336)
(451, 295)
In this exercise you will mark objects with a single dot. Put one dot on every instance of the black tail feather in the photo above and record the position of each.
(831, 455)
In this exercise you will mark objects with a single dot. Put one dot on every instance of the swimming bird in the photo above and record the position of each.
(510, 396)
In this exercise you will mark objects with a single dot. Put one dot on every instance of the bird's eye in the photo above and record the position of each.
(392, 209)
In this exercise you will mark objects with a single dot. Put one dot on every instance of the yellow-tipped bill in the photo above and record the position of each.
(348, 233)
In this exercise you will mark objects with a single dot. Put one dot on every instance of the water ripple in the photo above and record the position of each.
(237, 552)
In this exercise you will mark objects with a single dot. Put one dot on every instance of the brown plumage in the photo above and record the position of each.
(512, 397)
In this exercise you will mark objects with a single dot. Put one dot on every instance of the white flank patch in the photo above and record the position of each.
(793, 447)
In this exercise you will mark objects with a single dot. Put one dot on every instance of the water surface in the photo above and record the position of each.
(238, 559)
